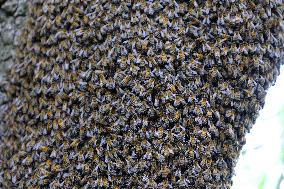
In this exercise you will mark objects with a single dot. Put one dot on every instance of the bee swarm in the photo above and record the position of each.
(136, 94)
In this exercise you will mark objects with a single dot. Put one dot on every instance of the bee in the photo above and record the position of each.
(151, 184)
(172, 88)
(15, 159)
(51, 51)
(203, 133)
(178, 101)
(214, 73)
(168, 151)
(230, 132)
(103, 80)
(212, 129)
(44, 149)
(44, 181)
(55, 168)
(209, 113)
(58, 20)
(190, 152)
(198, 111)
(134, 69)
(60, 122)
(86, 20)
(204, 162)
(164, 184)
(55, 184)
(183, 161)
(75, 143)
(230, 114)
(109, 143)
(183, 182)
(249, 92)
(165, 171)
(181, 55)
(164, 20)
(149, 10)
(204, 103)
(126, 80)
(196, 169)
(144, 45)
(163, 57)
(27, 161)
(177, 115)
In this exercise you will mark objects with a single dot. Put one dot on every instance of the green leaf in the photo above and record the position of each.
(262, 182)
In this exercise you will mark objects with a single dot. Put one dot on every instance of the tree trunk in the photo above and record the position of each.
(12, 18)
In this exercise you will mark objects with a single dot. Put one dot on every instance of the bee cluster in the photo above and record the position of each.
(136, 94)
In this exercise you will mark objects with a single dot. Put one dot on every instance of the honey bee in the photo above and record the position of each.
(58, 20)
(126, 80)
(183, 182)
(204, 133)
(177, 116)
(181, 55)
(230, 132)
(190, 152)
(44, 148)
(163, 57)
(55, 184)
(44, 181)
(164, 20)
(164, 171)
(230, 114)
(15, 159)
(86, 19)
(144, 45)
(178, 101)
(151, 184)
(196, 169)
(27, 161)
(172, 88)
(75, 143)
(55, 168)
(249, 92)
(204, 103)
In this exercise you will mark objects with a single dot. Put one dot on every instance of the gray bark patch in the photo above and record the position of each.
(12, 18)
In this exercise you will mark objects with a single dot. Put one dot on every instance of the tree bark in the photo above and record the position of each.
(12, 17)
